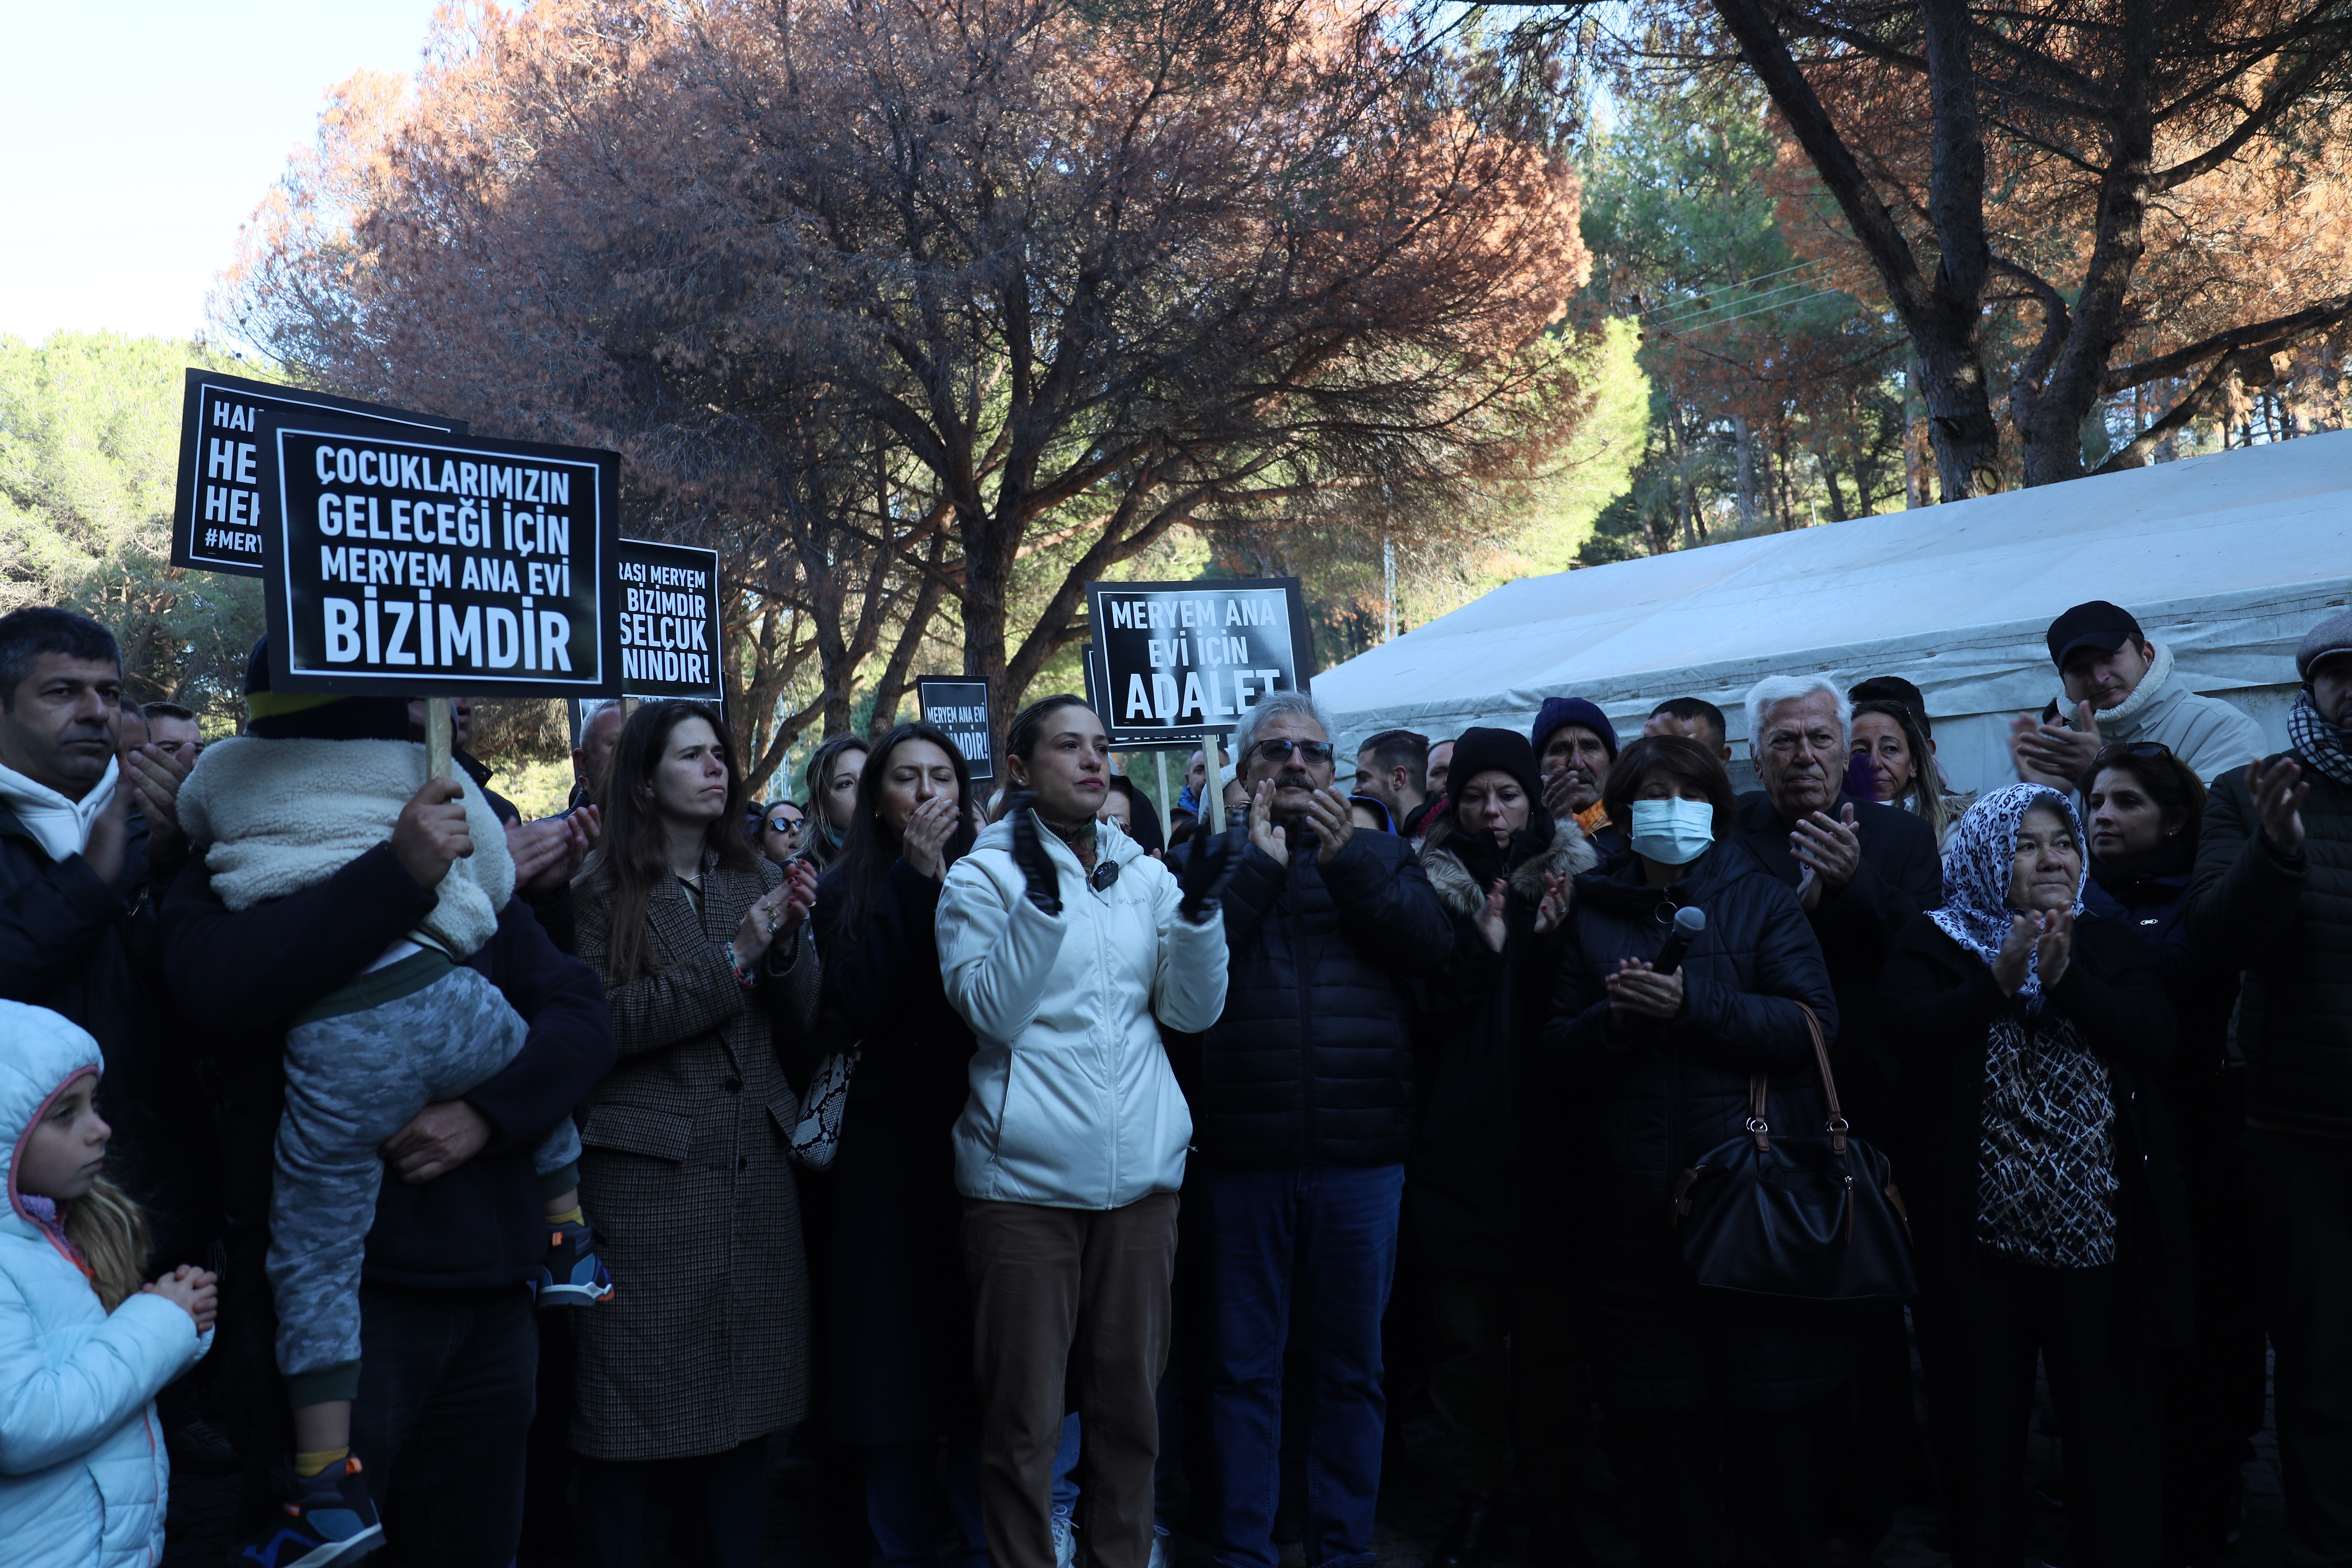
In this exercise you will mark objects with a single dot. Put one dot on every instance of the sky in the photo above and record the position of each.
(136, 136)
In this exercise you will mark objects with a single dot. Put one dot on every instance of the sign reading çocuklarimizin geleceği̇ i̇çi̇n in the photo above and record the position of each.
(425, 564)
(225, 481)
(1178, 660)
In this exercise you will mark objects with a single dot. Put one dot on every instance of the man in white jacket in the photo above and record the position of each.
(2120, 689)
(1067, 949)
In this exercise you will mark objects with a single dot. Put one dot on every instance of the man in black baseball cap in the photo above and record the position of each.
(2119, 686)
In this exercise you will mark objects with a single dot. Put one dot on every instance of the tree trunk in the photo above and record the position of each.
(1744, 443)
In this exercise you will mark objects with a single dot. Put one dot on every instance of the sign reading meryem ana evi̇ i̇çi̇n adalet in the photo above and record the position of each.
(421, 564)
(1178, 660)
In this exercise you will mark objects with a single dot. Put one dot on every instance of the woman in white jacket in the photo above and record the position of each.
(83, 1345)
(1068, 949)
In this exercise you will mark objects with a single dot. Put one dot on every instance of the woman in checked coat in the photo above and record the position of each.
(705, 953)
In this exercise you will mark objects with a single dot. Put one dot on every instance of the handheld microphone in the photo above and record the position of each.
(1690, 922)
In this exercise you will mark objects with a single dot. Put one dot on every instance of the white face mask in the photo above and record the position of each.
(1673, 832)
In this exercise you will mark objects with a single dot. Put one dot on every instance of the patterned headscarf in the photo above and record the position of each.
(1978, 859)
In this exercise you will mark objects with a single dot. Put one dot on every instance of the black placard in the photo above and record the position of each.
(430, 564)
(225, 483)
(670, 637)
(1174, 661)
(960, 706)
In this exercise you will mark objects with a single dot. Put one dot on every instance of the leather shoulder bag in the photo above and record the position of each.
(1801, 1217)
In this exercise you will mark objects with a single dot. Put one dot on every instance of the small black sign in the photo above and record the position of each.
(223, 480)
(960, 707)
(670, 635)
(1174, 661)
(431, 565)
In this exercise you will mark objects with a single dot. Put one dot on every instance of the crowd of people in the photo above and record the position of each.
(476, 1187)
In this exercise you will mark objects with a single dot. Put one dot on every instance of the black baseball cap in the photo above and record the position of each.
(2098, 624)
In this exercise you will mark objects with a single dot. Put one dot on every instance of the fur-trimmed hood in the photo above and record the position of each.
(285, 814)
(1569, 853)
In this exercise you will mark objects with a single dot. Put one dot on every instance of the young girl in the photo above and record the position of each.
(83, 1344)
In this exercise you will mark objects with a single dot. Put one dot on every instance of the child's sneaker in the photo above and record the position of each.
(571, 1274)
(329, 1517)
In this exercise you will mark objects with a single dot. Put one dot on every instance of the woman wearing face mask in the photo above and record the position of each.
(2043, 1190)
(1719, 1393)
(898, 1318)
(1482, 1209)
(2144, 805)
(1066, 950)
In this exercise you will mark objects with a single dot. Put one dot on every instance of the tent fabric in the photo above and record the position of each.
(2228, 559)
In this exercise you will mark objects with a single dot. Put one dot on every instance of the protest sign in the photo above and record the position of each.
(960, 706)
(425, 564)
(223, 474)
(670, 635)
(1174, 661)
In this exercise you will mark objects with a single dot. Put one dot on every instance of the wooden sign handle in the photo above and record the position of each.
(439, 730)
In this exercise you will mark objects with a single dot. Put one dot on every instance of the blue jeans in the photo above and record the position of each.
(1328, 1236)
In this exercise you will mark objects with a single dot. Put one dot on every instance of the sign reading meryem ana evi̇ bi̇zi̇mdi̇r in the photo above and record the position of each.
(435, 563)
(1176, 660)
(227, 477)
(958, 706)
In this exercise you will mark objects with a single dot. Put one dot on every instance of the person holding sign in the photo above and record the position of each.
(315, 783)
(709, 970)
(1067, 951)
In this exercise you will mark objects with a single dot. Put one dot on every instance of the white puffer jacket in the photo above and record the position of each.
(1073, 1102)
(83, 1476)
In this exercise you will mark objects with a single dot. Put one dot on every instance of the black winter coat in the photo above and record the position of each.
(2204, 1081)
(1902, 874)
(1643, 1104)
(897, 1314)
(2288, 924)
(1940, 1001)
(1311, 1063)
(88, 950)
(1483, 1192)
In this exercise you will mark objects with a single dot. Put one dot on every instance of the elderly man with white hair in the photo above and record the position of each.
(1303, 1109)
(1862, 870)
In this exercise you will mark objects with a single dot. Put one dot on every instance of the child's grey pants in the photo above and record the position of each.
(358, 1067)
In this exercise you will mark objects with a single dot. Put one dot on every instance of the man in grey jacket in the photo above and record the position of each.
(2120, 689)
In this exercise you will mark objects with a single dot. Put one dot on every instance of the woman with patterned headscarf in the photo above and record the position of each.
(2043, 1190)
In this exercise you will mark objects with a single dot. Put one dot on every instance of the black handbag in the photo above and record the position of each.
(1798, 1218)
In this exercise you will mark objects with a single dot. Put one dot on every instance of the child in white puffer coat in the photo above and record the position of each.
(84, 1345)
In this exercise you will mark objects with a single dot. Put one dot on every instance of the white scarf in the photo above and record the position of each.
(61, 826)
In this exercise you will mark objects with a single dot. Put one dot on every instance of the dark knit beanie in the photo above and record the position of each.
(1482, 751)
(316, 715)
(1558, 710)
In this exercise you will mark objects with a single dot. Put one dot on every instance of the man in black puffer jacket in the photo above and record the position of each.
(2273, 894)
(1303, 1103)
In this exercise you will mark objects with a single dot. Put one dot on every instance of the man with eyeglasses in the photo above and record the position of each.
(1303, 1114)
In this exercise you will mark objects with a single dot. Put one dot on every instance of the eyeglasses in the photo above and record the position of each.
(782, 825)
(1280, 750)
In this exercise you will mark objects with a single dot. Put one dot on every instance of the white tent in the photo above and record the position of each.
(2226, 559)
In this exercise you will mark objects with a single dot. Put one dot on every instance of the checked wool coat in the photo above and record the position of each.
(684, 1173)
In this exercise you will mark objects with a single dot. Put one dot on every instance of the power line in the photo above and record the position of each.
(1747, 283)
(1765, 299)
(1782, 305)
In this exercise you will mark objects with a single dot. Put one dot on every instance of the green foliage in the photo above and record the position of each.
(89, 433)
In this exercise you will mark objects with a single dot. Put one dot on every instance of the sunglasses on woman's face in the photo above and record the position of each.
(1280, 750)
(782, 825)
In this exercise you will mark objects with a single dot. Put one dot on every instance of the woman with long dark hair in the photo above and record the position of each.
(1719, 1392)
(1067, 949)
(897, 1314)
(833, 775)
(709, 970)
(2143, 808)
